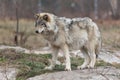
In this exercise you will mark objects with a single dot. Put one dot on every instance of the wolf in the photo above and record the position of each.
(68, 34)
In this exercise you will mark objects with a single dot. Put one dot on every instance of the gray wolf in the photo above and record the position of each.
(70, 34)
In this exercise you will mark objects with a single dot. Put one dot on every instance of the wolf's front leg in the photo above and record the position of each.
(86, 58)
(54, 59)
(67, 57)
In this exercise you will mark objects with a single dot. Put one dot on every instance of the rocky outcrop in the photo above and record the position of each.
(110, 57)
(101, 73)
(8, 73)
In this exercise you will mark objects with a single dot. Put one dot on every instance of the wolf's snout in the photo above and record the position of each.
(36, 31)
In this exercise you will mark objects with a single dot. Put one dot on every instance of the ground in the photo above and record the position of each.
(30, 65)
(109, 73)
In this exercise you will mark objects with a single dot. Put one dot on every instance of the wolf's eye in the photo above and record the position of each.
(43, 24)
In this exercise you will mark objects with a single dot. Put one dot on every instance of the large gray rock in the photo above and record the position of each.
(110, 57)
(8, 73)
(101, 73)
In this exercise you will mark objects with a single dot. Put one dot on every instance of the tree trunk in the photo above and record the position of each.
(114, 5)
(96, 9)
(17, 23)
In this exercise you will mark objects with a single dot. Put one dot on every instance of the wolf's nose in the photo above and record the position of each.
(36, 31)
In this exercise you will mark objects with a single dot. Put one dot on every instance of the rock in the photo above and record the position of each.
(109, 57)
(101, 73)
(19, 49)
(8, 73)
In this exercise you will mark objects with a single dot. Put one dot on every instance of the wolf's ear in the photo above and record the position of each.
(36, 16)
(46, 18)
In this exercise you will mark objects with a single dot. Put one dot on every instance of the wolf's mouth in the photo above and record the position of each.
(39, 30)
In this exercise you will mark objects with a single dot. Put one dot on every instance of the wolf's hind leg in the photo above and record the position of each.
(86, 58)
(92, 57)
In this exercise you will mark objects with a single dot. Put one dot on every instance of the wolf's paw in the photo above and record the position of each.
(81, 67)
(49, 68)
(90, 67)
(67, 69)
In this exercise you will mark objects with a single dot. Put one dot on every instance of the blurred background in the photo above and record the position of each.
(101, 9)
(17, 19)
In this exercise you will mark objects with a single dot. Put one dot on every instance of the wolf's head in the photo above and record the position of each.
(45, 22)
